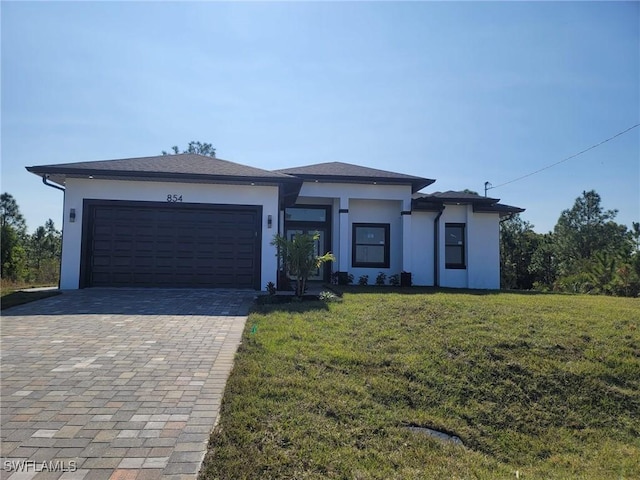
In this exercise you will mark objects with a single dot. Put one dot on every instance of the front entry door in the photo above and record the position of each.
(319, 248)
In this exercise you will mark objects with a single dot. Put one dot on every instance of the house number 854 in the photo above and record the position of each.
(174, 198)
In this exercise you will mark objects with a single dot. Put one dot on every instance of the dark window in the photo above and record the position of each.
(298, 214)
(454, 245)
(370, 245)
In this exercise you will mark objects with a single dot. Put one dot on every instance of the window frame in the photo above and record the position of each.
(323, 208)
(387, 249)
(463, 248)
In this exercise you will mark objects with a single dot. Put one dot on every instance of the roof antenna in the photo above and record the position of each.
(487, 186)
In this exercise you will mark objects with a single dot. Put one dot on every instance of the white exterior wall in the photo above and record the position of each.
(355, 190)
(422, 246)
(79, 189)
(482, 249)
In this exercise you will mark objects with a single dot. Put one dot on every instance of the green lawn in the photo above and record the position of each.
(544, 385)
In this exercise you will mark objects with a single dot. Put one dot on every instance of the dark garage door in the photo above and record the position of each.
(147, 244)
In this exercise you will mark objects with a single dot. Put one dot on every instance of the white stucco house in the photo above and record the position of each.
(189, 220)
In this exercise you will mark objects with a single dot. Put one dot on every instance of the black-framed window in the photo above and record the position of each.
(306, 214)
(370, 245)
(454, 245)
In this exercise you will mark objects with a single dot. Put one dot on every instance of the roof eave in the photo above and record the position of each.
(416, 184)
(59, 175)
(500, 208)
(459, 200)
(434, 204)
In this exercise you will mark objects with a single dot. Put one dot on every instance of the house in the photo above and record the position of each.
(189, 220)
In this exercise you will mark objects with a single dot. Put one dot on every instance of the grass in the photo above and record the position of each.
(547, 386)
(12, 295)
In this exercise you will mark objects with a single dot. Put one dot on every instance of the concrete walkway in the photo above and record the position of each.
(115, 384)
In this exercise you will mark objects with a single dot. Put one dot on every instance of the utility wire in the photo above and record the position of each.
(565, 159)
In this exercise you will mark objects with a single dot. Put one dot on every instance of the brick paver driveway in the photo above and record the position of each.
(112, 383)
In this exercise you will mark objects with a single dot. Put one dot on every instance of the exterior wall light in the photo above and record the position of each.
(269, 221)
(72, 215)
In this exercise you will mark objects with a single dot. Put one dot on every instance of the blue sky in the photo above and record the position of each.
(460, 92)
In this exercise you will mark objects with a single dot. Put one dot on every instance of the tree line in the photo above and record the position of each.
(587, 252)
(27, 258)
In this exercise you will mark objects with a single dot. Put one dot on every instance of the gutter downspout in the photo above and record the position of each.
(281, 207)
(436, 249)
(44, 180)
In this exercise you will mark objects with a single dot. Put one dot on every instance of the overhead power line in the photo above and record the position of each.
(564, 159)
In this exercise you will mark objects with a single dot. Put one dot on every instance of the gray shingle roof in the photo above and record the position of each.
(186, 166)
(453, 196)
(435, 202)
(201, 168)
(347, 172)
(501, 208)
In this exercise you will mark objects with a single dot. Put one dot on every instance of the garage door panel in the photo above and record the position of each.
(245, 263)
(119, 262)
(105, 214)
(122, 245)
(102, 278)
(205, 248)
(226, 263)
(123, 229)
(144, 231)
(140, 252)
(143, 262)
(164, 248)
(162, 263)
(224, 251)
(227, 281)
(226, 238)
(103, 229)
(183, 278)
(160, 278)
(122, 277)
(228, 218)
(244, 280)
(101, 245)
(101, 261)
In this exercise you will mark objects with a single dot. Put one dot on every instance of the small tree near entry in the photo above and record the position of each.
(299, 258)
